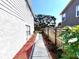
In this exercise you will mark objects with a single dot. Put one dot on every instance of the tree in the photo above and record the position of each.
(43, 21)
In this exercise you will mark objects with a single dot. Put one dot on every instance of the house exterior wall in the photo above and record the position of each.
(14, 16)
(71, 18)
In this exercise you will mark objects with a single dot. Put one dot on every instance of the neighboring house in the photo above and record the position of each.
(16, 24)
(70, 15)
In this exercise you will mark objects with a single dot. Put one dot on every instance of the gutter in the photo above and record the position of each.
(29, 8)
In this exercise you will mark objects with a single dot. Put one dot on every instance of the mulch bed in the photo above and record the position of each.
(52, 49)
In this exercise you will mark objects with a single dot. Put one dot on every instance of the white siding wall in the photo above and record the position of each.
(14, 15)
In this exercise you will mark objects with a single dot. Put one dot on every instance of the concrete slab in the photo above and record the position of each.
(40, 51)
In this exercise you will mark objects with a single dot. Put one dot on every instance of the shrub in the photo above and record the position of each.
(70, 36)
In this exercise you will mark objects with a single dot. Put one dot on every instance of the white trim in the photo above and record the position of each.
(64, 16)
(77, 9)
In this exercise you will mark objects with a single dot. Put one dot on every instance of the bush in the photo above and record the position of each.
(70, 36)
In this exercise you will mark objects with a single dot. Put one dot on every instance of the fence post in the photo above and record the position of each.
(55, 36)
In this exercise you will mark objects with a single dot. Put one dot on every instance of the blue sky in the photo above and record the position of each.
(49, 7)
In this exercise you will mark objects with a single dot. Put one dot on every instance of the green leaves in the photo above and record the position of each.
(70, 36)
(77, 53)
(42, 21)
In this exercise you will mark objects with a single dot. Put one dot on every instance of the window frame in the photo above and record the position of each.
(64, 16)
(77, 9)
(28, 30)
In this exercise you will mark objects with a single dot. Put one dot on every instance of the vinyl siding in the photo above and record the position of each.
(71, 15)
(14, 15)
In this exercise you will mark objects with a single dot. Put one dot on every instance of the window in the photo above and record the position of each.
(27, 30)
(77, 11)
(64, 17)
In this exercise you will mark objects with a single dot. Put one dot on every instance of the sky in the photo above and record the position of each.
(50, 7)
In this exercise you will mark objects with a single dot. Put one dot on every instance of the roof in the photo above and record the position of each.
(71, 1)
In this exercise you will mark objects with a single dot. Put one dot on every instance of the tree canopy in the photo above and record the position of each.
(43, 21)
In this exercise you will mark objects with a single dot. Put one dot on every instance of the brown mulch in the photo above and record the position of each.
(50, 46)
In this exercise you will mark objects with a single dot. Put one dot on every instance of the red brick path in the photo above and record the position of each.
(25, 51)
